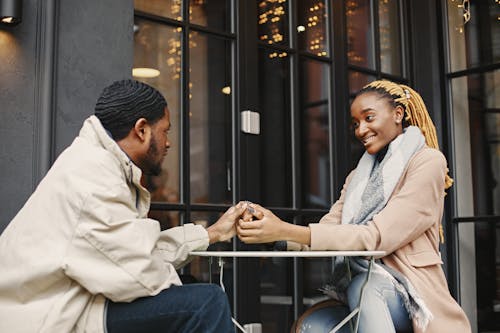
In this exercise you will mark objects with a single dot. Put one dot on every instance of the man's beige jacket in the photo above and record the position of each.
(84, 236)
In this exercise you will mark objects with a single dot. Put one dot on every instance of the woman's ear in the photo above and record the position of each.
(141, 127)
(399, 113)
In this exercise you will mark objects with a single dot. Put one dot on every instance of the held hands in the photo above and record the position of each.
(265, 229)
(252, 222)
(225, 228)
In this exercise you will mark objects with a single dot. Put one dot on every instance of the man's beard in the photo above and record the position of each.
(153, 161)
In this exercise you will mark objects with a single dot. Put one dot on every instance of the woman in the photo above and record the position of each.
(393, 201)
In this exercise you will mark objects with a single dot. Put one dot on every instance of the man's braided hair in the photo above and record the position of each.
(124, 102)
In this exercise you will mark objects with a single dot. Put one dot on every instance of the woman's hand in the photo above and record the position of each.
(267, 228)
(224, 228)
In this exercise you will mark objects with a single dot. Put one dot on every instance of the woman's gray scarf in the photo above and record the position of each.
(366, 195)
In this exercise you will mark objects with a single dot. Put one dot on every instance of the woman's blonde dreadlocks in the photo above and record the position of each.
(416, 114)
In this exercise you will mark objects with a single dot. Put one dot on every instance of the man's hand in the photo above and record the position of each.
(225, 228)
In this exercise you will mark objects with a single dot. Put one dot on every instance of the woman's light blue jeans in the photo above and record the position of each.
(382, 309)
(200, 308)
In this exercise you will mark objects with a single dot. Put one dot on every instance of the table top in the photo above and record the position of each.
(308, 254)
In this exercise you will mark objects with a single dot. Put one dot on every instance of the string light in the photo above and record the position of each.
(464, 5)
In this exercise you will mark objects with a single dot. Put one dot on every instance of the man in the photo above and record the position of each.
(82, 256)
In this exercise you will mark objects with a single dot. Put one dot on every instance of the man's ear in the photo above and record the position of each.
(141, 128)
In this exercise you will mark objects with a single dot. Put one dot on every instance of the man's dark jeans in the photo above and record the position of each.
(188, 308)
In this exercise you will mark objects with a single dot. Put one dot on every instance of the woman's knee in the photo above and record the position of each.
(370, 288)
(322, 319)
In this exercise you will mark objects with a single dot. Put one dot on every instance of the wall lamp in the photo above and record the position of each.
(11, 11)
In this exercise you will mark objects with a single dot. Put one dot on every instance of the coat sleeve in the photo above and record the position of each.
(412, 210)
(122, 256)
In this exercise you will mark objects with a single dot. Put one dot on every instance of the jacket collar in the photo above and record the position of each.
(93, 131)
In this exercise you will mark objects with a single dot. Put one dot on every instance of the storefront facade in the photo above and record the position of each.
(293, 64)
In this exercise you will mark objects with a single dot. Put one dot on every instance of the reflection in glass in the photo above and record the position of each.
(478, 42)
(274, 107)
(152, 45)
(199, 267)
(476, 99)
(168, 219)
(210, 13)
(273, 21)
(312, 23)
(210, 119)
(317, 273)
(276, 290)
(360, 46)
(358, 80)
(167, 8)
(314, 81)
(390, 43)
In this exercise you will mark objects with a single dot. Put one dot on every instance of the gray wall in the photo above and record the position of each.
(53, 66)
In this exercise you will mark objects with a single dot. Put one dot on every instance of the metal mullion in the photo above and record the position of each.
(451, 200)
(376, 36)
(474, 70)
(158, 19)
(339, 95)
(207, 30)
(295, 141)
(235, 137)
(185, 170)
(363, 70)
(167, 206)
(403, 38)
(295, 109)
(305, 54)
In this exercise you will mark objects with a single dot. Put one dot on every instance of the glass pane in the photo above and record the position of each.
(477, 42)
(276, 290)
(274, 105)
(168, 219)
(314, 85)
(211, 13)
(167, 8)
(390, 42)
(476, 110)
(273, 21)
(210, 119)
(312, 27)
(157, 51)
(199, 268)
(360, 44)
(358, 80)
(317, 273)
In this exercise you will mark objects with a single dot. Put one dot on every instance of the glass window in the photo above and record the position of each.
(314, 86)
(167, 8)
(210, 118)
(476, 42)
(200, 268)
(273, 21)
(276, 290)
(211, 13)
(390, 42)
(167, 218)
(358, 80)
(312, 25)
(157, 62)
(476, 105)
(360, 45)
(275, 124)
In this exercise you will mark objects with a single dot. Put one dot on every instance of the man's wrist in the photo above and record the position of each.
(213, 235)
